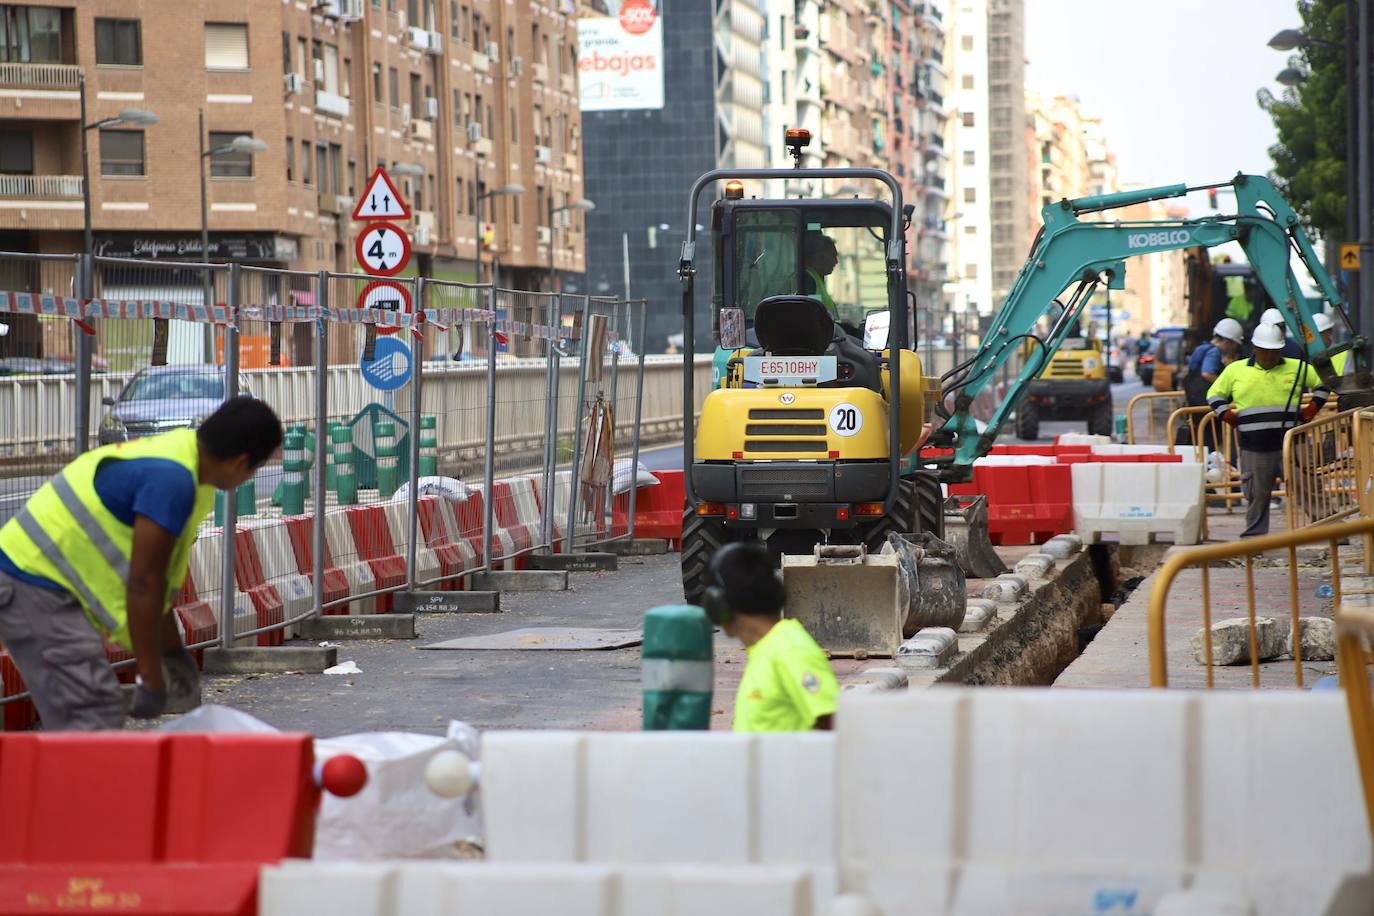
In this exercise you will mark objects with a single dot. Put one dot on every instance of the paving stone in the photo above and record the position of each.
(979, 613)
(1231, 641)
(1318, 638)
(1062, 546)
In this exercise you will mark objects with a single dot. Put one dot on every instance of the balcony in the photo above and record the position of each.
(41, 76)
(41, 187)
(330, 104)
(46, 92)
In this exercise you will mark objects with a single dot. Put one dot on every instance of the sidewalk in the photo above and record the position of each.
(1119, 656)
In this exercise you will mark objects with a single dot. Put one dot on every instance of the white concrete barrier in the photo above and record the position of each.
(488, 889)
(1188, 455)
(1138, 501)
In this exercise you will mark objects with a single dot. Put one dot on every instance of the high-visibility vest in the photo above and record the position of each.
(1237, 305)
(66, 534)
(1267, 401)
(822, 293)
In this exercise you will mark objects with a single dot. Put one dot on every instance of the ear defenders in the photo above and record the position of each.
(713, 600)
(741, 558)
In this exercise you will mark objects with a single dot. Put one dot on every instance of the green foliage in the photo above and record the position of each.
(1309, 158)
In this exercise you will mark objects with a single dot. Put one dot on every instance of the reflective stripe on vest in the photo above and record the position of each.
(822, 293)
(66, 534)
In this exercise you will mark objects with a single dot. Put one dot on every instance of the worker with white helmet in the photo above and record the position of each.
(1291, 350)
(1262, 398)
(1208, 359)
(1326, 328)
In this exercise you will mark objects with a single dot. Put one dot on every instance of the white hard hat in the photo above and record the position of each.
(1272, 316)
(1267, 337)
(1323, 322)
(1230, 329)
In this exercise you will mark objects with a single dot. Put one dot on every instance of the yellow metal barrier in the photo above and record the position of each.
(1206, 429)
(1321, 479)
(1171, 400)
(1247, 549)
(1355, 630)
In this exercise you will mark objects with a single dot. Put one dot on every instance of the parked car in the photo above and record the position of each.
(162, 398)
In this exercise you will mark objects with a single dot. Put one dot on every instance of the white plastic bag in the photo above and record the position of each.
(450, 488)
(620, 482)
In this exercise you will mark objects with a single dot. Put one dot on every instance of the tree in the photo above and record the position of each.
(1310, 157)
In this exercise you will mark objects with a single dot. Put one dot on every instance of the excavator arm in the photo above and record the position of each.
(1074, 255)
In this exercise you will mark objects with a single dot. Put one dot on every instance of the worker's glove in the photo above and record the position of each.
(1308, 411)
(183, 680)
(148, 704)
(1231, 418)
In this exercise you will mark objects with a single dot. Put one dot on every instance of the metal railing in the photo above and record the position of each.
(40, 186)
(1153, 401)
(1209, 437)
(41, 76)
(1320, 469)
(1247, 550)
(1354, 634)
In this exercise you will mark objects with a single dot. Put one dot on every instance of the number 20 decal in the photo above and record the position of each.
(846, 420)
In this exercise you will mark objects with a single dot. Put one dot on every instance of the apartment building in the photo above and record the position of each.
(456, 97)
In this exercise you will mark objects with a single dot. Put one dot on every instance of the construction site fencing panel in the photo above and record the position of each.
(1147, 415)
(1321, 471)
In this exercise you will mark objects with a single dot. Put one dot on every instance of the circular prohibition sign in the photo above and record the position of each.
(382, 249)
(386, 295)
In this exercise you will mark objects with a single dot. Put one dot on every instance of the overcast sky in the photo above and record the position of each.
(1173, 80)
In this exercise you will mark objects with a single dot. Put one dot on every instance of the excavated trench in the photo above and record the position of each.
(1047, 629)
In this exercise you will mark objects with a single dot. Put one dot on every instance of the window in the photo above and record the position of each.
(394, 87)
(970, 195)
(970, 271)
(417, 98)
(306, 176)
(121, 152)
(966, 81)
(118, 42)
(514, 130)
(515, 208)
(285, 52)
(16, 152)
(968, 157)
(230, 163)
(290, 159)
(30, 34)
(226, 46)
(376, 82)
(322, 168)
(970, 230)
(966, 42)
(968, 119)
(336, 176)
(352, 173)
(458, 199)
(347, 81)
(453, 19)
(463, 22)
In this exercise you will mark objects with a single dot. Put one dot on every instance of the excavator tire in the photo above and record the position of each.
(920, 507)
(701, 538)
(1028, 420)
(1100, 422)
(930, 504)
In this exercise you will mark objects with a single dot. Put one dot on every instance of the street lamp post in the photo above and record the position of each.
(240, 144)
(87, 274)
(585, 206)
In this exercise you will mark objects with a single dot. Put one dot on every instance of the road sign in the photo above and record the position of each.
(381, 200)
(388, 296)
(390, 366)
(383, 250)
(1350, 257)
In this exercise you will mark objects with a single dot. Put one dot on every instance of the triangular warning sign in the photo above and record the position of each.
(381, 200)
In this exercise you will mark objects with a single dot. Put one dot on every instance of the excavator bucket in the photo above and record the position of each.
(966, 530)
(852, 602)
(935, 593)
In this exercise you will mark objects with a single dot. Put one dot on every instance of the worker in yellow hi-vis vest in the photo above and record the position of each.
(820, 257)
(101, 551)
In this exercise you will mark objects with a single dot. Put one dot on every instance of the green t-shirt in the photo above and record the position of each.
(787, 683)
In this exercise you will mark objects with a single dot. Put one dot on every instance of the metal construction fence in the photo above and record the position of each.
(423, 445)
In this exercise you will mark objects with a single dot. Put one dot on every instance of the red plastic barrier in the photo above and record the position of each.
(21, 714)
(658, 510)
(301, 531)
(373, 537)
(454, 558)
(507, 496)
(147, 823)
(1027, 504)
(266, 600)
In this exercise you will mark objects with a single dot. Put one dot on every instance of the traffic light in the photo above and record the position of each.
(1212, 198)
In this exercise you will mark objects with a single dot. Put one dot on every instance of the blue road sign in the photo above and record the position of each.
(390, 366)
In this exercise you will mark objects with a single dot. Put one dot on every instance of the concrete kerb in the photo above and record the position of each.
(270, 660)
(359, 626)
(581, 561)
(467, 602)
(640, 547)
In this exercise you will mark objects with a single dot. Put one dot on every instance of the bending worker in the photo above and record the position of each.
(1207, 361)
(1262, 398)
(101, 551)
(787, 684)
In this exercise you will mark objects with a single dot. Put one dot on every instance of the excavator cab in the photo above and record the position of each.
(800, 441)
